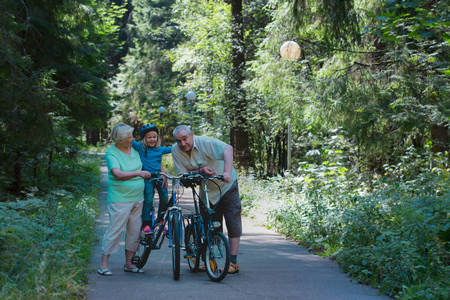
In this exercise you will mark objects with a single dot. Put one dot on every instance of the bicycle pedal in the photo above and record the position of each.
(188, 256)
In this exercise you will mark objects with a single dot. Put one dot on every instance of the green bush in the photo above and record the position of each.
(45, 241)
(392, 232)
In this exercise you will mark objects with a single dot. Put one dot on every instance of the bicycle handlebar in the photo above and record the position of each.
(193, 175)
(189, 176)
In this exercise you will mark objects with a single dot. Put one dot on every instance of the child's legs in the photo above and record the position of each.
(163, 198)
(148, 200)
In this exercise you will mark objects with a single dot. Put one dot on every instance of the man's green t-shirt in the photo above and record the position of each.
(128, 190)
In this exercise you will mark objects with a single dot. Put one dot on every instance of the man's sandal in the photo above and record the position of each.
(233, 269)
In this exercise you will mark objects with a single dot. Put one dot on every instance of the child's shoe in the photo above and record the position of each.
(147, 230)
(165, 227)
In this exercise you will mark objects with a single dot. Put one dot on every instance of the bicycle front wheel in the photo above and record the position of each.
(192, 249)
(217, 256)
(176, 246)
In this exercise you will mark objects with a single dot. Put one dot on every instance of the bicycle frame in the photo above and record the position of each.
(172, 215)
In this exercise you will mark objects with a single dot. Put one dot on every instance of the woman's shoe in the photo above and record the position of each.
(106, 272)
(133, 270)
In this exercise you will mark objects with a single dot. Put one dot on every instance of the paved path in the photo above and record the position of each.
(271, 267)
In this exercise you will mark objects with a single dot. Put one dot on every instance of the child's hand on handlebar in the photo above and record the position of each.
(165, 182)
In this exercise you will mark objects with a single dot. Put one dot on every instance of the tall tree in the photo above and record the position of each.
(52, 66)
(235, 94)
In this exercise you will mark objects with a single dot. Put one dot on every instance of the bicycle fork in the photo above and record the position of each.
(174, 212)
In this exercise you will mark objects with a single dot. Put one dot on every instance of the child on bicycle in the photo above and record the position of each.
(151, 152)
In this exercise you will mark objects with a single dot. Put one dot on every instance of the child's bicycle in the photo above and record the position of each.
(202, 238)
(172, 220)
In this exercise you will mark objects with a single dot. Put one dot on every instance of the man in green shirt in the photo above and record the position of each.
(211, 156)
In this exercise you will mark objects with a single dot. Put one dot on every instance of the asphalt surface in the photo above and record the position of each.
(270, 267)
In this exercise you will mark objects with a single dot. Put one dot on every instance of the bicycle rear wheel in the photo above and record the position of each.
(176, 246)
(145, 247)
(217, 256)
(192, 250)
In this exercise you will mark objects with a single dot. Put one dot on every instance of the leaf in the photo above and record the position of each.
(426, 34)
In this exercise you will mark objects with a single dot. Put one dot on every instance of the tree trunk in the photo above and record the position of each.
(284, 150)
(50, 161)
(269, 160)
(18, 173)
(439, 136)
(95, 136)
(236, 97)
(239, 142)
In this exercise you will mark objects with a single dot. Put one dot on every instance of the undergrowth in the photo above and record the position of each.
(46, 236)
(392, 233)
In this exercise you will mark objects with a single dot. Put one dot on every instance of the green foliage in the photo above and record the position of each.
(146, 80)
(52, 67)
(390, 231)
(386, 92)
(167, 164)
(203, 59)
(334, 22)
(46, 237)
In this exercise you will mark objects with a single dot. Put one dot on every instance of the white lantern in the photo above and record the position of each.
(191, 96)
(162, 109)
(290, 50)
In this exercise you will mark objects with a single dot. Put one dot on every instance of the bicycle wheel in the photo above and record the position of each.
(192, 250)
(145, 247)
(176, 246)
(217, 256)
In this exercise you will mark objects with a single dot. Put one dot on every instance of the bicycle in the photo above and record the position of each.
(202, 237)
(173, 219)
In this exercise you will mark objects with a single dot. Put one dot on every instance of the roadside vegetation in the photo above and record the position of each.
(362, 115)
(46, 234)
(388, 230)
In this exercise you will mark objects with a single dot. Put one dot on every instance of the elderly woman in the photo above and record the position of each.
(125, 198)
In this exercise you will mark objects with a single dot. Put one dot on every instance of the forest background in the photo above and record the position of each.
(344, 149)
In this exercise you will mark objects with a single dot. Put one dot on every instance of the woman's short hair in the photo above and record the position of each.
(121, 131)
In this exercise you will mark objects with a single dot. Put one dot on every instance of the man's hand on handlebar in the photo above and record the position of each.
(208, 171)
(227, 177)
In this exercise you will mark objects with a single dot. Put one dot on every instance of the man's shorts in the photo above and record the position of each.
(229, 207)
